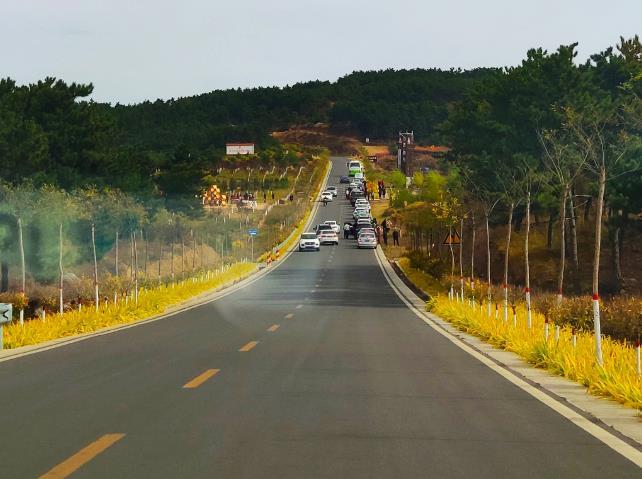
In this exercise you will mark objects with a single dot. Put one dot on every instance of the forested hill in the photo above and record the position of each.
(375, 104)
(50, 133)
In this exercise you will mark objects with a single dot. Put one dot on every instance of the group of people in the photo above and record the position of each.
(382, 189)
(381, 231)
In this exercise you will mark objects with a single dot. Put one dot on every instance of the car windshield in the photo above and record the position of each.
(308, 236)
(330, 223)
(323, 227)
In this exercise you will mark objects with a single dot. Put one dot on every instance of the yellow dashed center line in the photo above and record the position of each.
(201, 378)
(273, 328)
(248, 347)
(75, 462)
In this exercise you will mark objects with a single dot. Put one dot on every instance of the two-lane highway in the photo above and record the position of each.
(316, 370)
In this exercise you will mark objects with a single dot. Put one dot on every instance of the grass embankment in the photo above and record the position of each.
(555, 351)
(300, 225)
(150, 302)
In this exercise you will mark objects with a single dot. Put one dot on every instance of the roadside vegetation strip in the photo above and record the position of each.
(545, 345)
(150, 302)
(556, 349)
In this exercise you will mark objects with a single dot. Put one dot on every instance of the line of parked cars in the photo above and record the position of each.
(363, 226)
(324, 233)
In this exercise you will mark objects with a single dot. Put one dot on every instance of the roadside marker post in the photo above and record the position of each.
(6, 312)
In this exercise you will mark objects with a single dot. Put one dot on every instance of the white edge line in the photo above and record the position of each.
(614, 442)
(215, 296)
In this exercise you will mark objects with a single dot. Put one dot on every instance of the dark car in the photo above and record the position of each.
(354, 194)
(344, 179)
(319, 228)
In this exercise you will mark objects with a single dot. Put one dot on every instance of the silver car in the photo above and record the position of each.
(367, 240)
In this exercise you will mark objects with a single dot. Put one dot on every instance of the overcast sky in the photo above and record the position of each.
(132, 50)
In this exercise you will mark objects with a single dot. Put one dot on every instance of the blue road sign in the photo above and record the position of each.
(252, 232)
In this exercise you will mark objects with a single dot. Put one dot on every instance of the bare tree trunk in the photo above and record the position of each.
(596, 264)
(160, 257)
(193, 252)
(490, 284)
(562, 263)
(144, 236)
(472, 256)
(116, 260)
(23, 284)
(135, 267)
(93, 245)
(549, 232)
(62, 304)
(509, 224)
(172, 263)
(452, 261)
(461, 260)
(131, 256)
(182, 257)
(527, 273)
(573, 229)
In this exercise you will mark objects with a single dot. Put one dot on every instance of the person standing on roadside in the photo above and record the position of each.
(395, 236)
(378, 231)
(346, 230)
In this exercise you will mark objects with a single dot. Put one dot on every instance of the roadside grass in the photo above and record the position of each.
(553, 350)
(150, 302)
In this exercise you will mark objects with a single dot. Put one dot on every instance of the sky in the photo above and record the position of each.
(136, 50)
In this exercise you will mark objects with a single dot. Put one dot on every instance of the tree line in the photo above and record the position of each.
(540, 137)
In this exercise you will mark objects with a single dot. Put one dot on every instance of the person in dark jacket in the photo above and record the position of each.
(395, 236)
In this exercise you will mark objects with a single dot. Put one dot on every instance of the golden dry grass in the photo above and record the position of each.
(150, 302)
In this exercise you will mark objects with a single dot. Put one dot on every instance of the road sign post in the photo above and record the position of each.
(6, 313)
(252, 232)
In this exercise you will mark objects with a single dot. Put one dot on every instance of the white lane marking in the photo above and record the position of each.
(298, 306)
(614, 442)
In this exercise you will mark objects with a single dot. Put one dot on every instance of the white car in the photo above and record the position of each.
(367, 240)
(309, 241)
(335, 226)
(326, 196)
(328, 237)
(333, 190)
(361, 213)
(362, 203)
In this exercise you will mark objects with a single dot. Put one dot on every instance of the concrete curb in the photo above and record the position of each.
(194, 302)
(619, 426)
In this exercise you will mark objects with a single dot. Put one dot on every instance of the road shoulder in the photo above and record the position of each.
(616, 425)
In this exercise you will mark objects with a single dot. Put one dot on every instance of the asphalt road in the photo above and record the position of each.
(350, 384)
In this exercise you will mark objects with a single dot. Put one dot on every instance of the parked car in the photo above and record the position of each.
(335, 226)
(322, 227)
(366, 230)
(367, 240)
(361, 213)
(309, 241)
(354, 194)
(328, 237)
